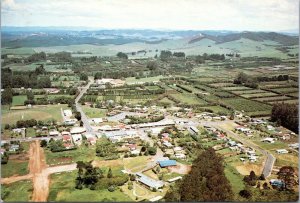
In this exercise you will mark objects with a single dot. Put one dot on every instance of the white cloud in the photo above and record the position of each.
(167, 14)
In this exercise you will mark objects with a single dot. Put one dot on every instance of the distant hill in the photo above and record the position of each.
(282, 39)
(55, 36)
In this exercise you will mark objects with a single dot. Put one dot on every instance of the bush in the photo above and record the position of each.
(130, 187)
(111, 188)
(245, 193)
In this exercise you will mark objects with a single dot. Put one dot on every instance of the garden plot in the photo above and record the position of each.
(294, 94)
(293, 101)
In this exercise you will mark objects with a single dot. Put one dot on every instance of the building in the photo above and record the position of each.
(282, 151)
(193, 130)
(174, 179)
(269, 140)
(167, 163)
(149, 182)
(70, 121)
(53, 133)
(96, 120)
(77, 139)
(77, 130)
(67, 113)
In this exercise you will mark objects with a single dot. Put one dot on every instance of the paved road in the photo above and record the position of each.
(270, 160)
(84, 118)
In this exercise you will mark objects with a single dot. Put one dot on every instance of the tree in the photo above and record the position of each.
(286, 115)
(205, 182)
(78, 115)
(40, 70)
(122, 55)
(83, 76)
(245, 193)
(43, 143)
(7, 96)
(152, 65)
(287, 175)
(30, 95)
(109, 174)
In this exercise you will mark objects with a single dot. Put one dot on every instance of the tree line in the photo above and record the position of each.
(286, 115)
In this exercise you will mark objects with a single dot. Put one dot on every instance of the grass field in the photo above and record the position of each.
(235, 179)
(135, 164)
(94, 112)
(17, 192)
(14, 167)
(19, 100)
(62, 188)
(37, 112)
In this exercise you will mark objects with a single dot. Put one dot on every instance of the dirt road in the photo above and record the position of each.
(39, 172)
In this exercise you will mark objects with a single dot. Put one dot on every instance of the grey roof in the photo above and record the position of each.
(149, 181)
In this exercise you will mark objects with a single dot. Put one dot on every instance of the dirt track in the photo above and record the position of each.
(39, 173)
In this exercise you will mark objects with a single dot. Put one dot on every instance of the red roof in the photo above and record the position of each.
(66, 137)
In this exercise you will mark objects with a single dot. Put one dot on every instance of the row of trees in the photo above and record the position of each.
(205, 56)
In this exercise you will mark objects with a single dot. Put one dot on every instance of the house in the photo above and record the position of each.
(135, 152)
(96, 120)
(149, 182)
(156, 199)
(14, 147)
(67, 113)
(180, 156)
(277, 182)
(193, 130)
(77, 130)
(77, 138)
(174, 179)
(70, 121)
(167, 144)
(294, 146)
(232, 143)
(132, 147)
(167, 163)
(269, 140)
(253, 158)
(282, 151)
(53, 133)
(67, 138)
(92, 140)
(2, 151)
(52, 90)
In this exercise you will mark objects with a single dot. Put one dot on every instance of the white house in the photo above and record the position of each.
(269, 140)
(282, 151)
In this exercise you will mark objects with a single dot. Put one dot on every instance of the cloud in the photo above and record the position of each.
(167, 14)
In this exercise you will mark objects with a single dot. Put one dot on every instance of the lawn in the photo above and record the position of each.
(44, 113)
(20, 191)
(19, 100)
(290, 159)
(62, 188)
(94, 112)
(189, 99)
(14, 167)
(30, 132)
(235, 179)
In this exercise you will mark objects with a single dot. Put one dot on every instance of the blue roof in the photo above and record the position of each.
(167, 163)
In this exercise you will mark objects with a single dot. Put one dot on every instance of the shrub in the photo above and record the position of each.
(245, 193)
(111, 188)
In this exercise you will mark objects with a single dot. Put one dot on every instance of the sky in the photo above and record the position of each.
(240, 15)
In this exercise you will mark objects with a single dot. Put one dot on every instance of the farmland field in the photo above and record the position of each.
(14, 167)
(236, 88)
(238, 92)
(286, 90)
(270, 99)
(189, 99)
(292, 101)
(294, 94)
(256, 95)
(217, 109)
(246, 105)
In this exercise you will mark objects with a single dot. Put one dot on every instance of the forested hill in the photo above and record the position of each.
(255, 36)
